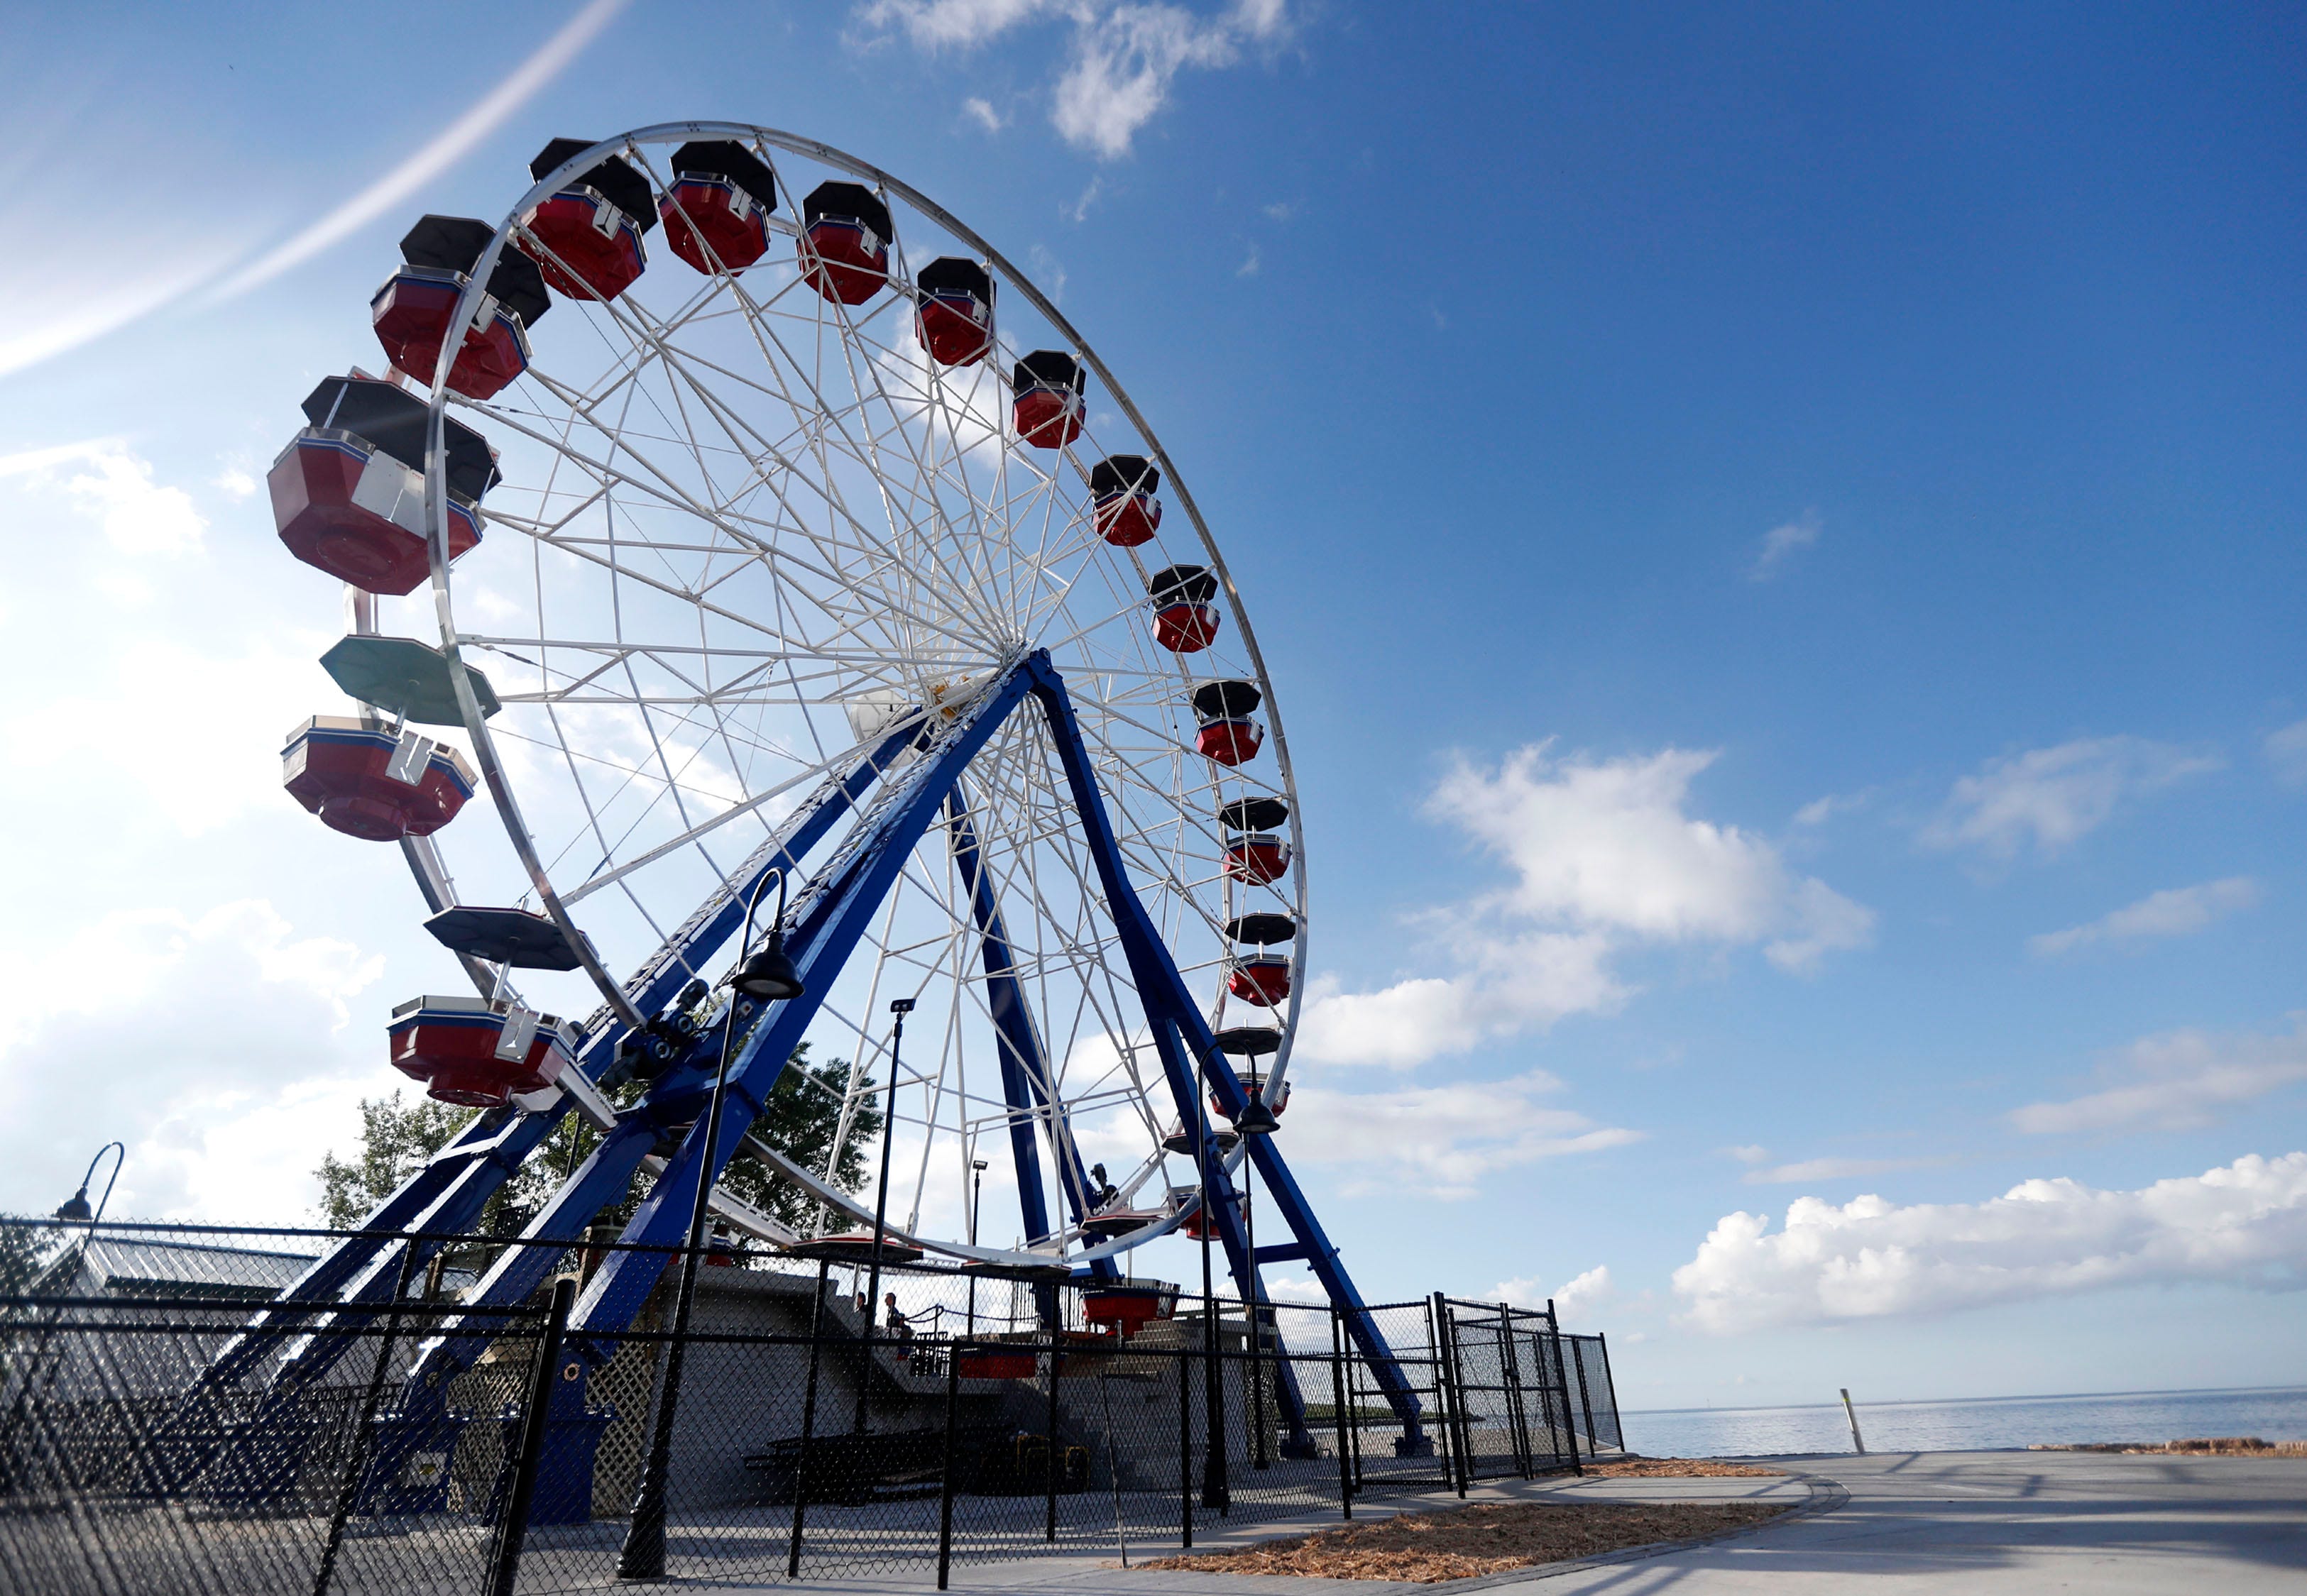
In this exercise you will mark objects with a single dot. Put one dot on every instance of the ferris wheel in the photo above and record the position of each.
(807, 546)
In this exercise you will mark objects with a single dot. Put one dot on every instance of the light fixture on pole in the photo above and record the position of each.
(900, 1007)
(763, 977)
(75, 1209)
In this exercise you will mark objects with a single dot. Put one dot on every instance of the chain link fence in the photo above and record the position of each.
(207, 1410)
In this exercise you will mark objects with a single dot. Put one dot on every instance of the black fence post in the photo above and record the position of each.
(514, 1529)
(1569, 1427)
(1185, 1449)
(1517, 1418)
(357, 1466)
(1611, 1390)
(807, 1419)
(1453, 1409)
(1338, 1413)
(945, 1482)
(1055, 1455)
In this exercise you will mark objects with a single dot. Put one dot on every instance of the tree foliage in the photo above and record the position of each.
(803, 1117)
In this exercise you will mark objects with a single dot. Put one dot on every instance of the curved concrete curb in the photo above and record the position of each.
(1825, 1496)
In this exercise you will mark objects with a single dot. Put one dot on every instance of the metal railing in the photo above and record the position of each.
(341, 1447)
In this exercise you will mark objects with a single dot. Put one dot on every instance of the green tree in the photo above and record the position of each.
(804, 1111)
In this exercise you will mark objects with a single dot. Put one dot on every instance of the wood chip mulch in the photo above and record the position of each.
(1677, 1468)
(1467, 1542)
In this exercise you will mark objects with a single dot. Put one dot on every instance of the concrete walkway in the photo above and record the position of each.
(1945, 1524)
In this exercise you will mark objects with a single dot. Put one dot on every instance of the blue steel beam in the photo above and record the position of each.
(1028, 1084)
(1163, 992)
(835, 911)
(447, 1194)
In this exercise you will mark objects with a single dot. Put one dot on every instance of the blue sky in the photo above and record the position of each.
(1777, 535)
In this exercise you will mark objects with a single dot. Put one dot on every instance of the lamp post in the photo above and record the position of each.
(1255, 1119)
(900, 1007)
(1214, 1494)
(75, 1209)
(767, 976)
(976, 1190)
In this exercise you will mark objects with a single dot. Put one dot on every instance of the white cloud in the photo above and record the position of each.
(2176, 911)
(1831, 1169)
(483, 117)
(2245, 1224)
(2053, 797)
(1121, 59)
(1604, 857)
(1749, 1154)
(216, 1045)
(1782, 541)
(1820, 810)
(2176, 1079)
(1441, 1141)
(2287, 750)
(108, 483)
(982, 112)
(1250, 263)
(235, 483)
(1574, 1298)
(1504, 986)
(1280, 210)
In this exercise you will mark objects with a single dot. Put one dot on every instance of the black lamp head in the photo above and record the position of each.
(75, 1210)
(1255, 1119)
(768, 975)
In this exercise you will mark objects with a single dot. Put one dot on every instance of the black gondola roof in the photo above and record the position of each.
(956, 274)
(392, 419)
(848, 201)
(1249, 1041)
(1050, 368)
(512, 936)
(610, 177)
(1254, 814)
(732, 161)
(1214, 700)
(455, 242)
(1265, 930)
(1182, 585)
(1124, 474)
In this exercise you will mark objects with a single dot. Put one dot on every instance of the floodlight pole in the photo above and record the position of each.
(900, 1007)
(642, 1557)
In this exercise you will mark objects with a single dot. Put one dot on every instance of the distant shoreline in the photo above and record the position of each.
(1909, 1401)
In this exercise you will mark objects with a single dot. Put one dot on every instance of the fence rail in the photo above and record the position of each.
(177, 1415)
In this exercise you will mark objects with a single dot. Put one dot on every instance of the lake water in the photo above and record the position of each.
(2274, 1413)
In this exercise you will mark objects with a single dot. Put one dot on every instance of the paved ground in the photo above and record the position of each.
(1946, 1523)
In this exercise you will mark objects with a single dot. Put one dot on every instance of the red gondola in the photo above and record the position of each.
(1122, 505)
(1196, 1224)
(348, 491)
(1046, 402)
(367, 783)
(1129, 1305)
(1185, 620)
(1228, 735)
(477, 1054)
(1260, 978)
(1259, 856)
(586, 238)
(412, 312)
(844, 244)
(1253, 1083)
(716, 213)
(955, 310)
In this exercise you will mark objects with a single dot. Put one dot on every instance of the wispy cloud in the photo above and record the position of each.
(2176, 1080)
(2052, 797)
(110, 484)
(453, 144)
(981, 111)
(2287, 750)
(1121, 58)
(1832, 1169)
(1782, 542)
(1442, 1140)
(2178, 911)
(1250, 263)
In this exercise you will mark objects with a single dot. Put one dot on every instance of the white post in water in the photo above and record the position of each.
(1858, 1441)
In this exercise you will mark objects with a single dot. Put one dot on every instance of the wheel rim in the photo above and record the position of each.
(739, 522)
